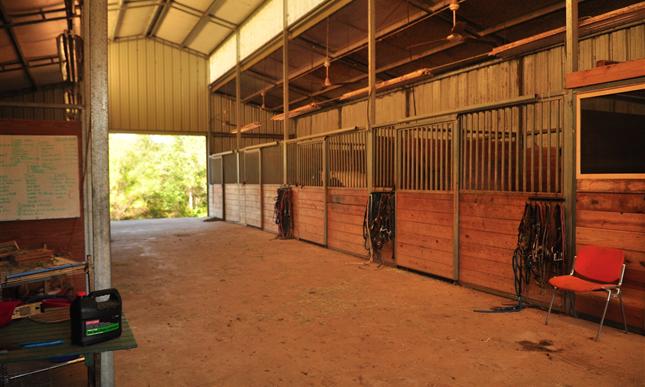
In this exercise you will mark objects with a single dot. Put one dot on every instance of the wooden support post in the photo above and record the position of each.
(569, 153)
(285, 87)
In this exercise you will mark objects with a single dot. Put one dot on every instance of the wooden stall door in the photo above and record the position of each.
(309, 214)
(216, 188)
(232, 206)
(345, 212)
(252, 189)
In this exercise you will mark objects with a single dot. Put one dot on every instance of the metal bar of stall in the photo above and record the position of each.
(548, 150)
(499, 127)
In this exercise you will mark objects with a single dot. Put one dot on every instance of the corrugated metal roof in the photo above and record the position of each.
(199, 25)
(28, 31)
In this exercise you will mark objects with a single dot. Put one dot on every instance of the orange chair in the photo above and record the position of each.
(597, 269)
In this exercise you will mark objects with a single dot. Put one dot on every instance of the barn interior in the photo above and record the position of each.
(396, 189)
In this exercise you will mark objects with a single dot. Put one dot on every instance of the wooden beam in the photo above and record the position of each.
(522, 19)
(4, 17)
(603, 74)
(203, 20)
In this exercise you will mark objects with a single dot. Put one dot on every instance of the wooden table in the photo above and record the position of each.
(27, 331)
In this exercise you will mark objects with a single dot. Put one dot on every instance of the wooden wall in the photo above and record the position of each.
(269, 195)
(309, 214)
(424, 232)
(65, 236)
(216, 205)
(345, 214)
(232, 210)
(611, 213)
(252, 204)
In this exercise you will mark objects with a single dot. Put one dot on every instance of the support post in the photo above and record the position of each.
(238, 123)
(456, 158)
(371, 104)
(96, 83)
(569, 157)
(285, 86)
(325, 174)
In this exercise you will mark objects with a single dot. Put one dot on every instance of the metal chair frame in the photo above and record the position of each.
(616, 288)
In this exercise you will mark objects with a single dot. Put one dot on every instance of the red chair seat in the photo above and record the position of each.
(576, 284)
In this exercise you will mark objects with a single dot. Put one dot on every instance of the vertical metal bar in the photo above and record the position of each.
(417, 158)
(548, 149)
(509, 171)
(397, 160)
(541, 155)
(533, 145)
(496, 158)
(489, 158)
(558, 149)
(285, 83)
(470, 151)
(426, 175)
(477, 146)
(261, 188)
(371, 70)
(325, 172)
(456, 157)
(441, 155)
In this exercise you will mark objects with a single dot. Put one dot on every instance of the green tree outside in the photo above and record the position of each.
(153, 176)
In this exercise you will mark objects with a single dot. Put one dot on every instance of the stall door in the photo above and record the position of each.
(252, 189)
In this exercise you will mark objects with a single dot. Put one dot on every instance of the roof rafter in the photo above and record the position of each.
(119, 19)
(157, 17)
(16, 46)
(203, 20)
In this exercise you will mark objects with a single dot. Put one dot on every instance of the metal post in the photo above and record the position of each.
(325, 174)
(569, 143)
(371, 104)
(456, 158)
(96, 55)
(285, 86)
(238, 125)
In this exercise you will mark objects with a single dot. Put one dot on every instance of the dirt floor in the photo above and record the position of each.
(218, 304)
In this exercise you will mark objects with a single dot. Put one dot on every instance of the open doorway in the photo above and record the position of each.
(157, 176)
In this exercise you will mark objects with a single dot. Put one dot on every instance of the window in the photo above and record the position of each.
(611, 133)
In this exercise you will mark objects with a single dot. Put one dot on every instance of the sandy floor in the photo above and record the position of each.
(221, 304)
(217, 304)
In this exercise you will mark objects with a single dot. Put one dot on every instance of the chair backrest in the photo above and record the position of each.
(602, 264)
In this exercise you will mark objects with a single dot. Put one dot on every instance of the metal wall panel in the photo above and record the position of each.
(48, 95)
(155, 88)
(223, 122)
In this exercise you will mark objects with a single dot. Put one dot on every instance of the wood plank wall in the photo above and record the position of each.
(345, 213)
(232, 202)
(252, 204)
(269, 196)
(424, 232)
(65, 236)
(309, 213)
(611, 213)
(216, 206)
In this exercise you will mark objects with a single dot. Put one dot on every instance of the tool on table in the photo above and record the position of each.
(94, 322)
(33, 344)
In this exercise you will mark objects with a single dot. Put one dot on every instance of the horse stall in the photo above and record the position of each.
(215, 187)
(271, 163)
(308, 184)
(251, 188)
(346, 191)
(232, 211)
(424, 198)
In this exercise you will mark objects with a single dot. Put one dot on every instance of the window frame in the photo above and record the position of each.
(598, 93)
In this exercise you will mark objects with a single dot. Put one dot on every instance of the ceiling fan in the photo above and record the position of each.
(458, 32)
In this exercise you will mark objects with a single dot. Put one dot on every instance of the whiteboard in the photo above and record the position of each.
(39, 177)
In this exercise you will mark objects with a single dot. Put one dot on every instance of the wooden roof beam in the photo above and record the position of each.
(16, 46)
(119, 19)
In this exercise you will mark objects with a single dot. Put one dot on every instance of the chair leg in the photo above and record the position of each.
(546, 321)
(622, 310)
(604, 312)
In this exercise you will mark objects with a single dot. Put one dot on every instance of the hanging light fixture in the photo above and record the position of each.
(327, 62)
